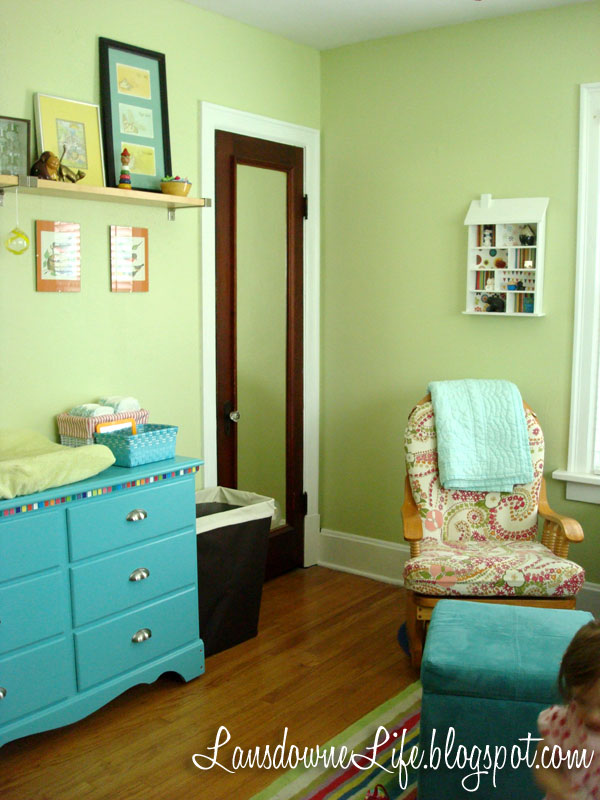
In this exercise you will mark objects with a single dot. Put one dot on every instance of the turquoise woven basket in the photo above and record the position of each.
(150, 443)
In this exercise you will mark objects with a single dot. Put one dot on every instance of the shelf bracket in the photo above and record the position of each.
(1, 198)
(28, 181)
(171, 214)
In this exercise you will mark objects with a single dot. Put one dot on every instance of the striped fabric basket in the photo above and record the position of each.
(150, 443)
(77, 431)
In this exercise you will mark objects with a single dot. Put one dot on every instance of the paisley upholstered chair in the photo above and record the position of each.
(480, 545)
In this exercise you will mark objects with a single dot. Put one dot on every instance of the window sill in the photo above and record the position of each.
(582, 486)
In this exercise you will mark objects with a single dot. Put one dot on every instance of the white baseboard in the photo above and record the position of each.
(312, 528)
(588, 598)
(384, 561)
(361, 555)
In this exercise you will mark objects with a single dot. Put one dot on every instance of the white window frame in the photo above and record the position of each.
(582, 482)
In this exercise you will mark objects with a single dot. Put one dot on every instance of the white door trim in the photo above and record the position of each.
(213, 118)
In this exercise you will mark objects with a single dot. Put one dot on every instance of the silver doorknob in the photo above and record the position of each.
(234, 416)
(141, 636)
(2, 692)
(136, 515)
(139, 574)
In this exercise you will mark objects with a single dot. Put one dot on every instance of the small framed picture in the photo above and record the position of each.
(58, 256)
(135, 116)
(128, 259)
(71, 130)
(14, 146)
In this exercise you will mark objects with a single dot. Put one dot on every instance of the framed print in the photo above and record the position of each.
(133, 90)
(58, 256)
(128, 259)
(14, 146)
(72, 128)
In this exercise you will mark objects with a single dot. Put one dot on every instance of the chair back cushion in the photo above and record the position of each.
(451, 515)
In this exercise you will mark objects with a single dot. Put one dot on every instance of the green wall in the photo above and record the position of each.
(62, 349)
(414, 128)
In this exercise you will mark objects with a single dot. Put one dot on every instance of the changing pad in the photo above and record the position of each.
(29, 462)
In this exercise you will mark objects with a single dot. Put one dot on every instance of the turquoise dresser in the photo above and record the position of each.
(98, 592)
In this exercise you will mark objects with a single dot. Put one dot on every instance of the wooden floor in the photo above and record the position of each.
(326, 654)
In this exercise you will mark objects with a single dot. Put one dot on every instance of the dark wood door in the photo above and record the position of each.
(286, 543)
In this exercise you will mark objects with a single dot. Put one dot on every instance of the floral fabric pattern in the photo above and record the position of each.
(488, 569)
(480, 543)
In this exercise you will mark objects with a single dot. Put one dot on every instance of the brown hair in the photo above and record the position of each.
(580, 665)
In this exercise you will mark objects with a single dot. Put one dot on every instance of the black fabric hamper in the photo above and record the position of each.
(232, 530)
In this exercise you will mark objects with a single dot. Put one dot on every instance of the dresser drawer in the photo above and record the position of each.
(105, 586)
(96, 526)
(31, 542)
(36, 678)
(107, 649)
(31, 610)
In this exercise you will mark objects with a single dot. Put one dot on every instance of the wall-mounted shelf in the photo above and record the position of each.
(78, 191)
(505, 260)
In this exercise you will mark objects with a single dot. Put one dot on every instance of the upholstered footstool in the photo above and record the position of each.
(487, 672)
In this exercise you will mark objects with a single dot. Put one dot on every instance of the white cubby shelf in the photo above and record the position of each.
(505, 257)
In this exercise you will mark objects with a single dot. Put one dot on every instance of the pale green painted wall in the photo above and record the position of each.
(261, 305)
(58, 350)
(414, 128)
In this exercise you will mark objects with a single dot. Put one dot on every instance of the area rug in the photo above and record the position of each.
(375, 759)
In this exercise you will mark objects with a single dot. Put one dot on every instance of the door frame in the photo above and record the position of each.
(212, 118)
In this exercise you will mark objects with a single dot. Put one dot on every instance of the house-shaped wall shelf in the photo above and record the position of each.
(505, 260)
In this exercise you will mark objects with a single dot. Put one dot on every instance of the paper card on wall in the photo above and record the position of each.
(128, 259)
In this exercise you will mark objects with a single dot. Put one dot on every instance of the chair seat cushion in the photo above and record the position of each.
(483, 569)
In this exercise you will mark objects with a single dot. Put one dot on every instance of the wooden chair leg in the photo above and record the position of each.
(415, 630)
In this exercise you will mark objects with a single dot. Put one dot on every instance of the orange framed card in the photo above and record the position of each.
(117, 425)
(58, 256)
(128, 259)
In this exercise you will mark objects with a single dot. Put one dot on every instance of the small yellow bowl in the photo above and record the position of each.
(180, 188)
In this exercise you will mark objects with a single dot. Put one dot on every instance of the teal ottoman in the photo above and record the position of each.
(487, 672)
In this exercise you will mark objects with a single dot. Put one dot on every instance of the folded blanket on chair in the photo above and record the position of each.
(482, 439)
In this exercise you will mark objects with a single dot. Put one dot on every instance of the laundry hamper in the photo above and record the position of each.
(232, 528)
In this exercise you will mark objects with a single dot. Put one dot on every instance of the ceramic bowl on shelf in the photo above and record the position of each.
(179, 188)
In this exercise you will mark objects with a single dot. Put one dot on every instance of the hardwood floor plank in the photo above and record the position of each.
(326, 654)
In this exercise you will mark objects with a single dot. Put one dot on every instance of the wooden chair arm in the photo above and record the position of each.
(411, 521)
(566, 527)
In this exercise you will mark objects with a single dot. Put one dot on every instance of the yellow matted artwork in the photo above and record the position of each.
(133, 81)
(71, 127)
(143, 158)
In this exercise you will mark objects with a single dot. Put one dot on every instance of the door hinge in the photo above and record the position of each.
(305, 206)
(304, 503)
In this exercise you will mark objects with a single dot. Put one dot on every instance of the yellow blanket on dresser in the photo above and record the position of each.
(29, 462)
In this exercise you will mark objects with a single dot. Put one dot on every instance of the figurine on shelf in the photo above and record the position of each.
(125, 176)
(528, 235)
(494, 303)
(46, 166)
(66, 173)
(488, 235)
(489, 285)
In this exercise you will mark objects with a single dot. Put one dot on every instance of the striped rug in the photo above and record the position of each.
(401, 717)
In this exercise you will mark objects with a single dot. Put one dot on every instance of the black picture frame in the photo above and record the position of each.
(15, 150)
(133, 97)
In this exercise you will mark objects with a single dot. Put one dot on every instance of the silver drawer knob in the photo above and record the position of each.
(136, 515)
(2, 692)
(141, 636)
(139, 574)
